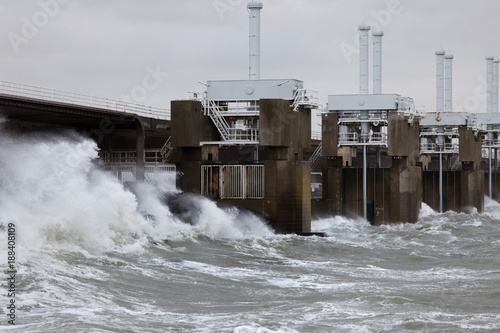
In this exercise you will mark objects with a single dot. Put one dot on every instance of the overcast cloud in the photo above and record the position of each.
(107, 47)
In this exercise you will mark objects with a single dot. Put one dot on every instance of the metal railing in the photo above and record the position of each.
(349, 116)
(316, 135)
(304, 97)
(233, 181)
(354, 139)
(247, 134)
(433, 148)
(125, 157)
(355, 117)
(495, 143)
(22, 90)
(153, 173)
(457, 164)
(241, 108)
(433, 131)
(377, 115)
(450, 131)
(210, 181)
(348, 138)
(213, 111)
(428, 131)
(316, 155)
(407, 106)
(377, 138)
(254, 185)
(167, 150)
(239, 134)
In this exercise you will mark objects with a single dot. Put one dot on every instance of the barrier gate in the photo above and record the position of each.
(232, 181)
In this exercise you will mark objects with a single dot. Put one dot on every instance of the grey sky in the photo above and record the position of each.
(107, 47)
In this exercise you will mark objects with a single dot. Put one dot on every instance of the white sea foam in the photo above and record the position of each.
(259, 329)
(52, 190)
(86, 261)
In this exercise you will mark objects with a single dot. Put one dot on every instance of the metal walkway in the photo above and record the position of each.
(38, 93)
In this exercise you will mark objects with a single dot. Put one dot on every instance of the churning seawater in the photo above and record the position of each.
(93, 256)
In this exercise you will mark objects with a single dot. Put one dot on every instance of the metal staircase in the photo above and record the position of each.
(167, 150)
(316, 155)
(457, 165)
(304, 97)
(218, 119)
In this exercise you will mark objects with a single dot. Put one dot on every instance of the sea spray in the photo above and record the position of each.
(52, 188)
(54, 193)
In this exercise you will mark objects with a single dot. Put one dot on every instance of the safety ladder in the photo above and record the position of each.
(316, 155)
(218, 119)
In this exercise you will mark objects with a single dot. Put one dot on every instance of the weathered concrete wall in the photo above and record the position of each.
(397, 130)
(275, 123)
(394, 194)
(381, 190)
(210, 153)
(190, 126)
(301, 129)
(394, 179)
(403, 138)
(495, 184)
(330, 134)
(379, 195)
(333, 188)
(280, 126)
(470, 147)
(288, 196)
(462, 190)
(190, 181)
(472, 190)
(452, 190)
(406, 193)
(140, 151)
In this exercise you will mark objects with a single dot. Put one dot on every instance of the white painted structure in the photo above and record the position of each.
(252, 90)
(495, 85)
(448, 77)
(363, 58)
(440, 81)
(254, 9)
(363, 118)
(377, 62)
(233, 105)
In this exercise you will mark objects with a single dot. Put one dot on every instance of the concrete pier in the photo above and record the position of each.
(204, 161)
(463, 185)
(394, 187)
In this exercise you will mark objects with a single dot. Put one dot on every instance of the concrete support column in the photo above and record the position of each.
(140, 151)
(471, 178)
(406, 191)
(472, 188)
(333, 184)
(381, 196)
(191, 180)
(287, 199)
